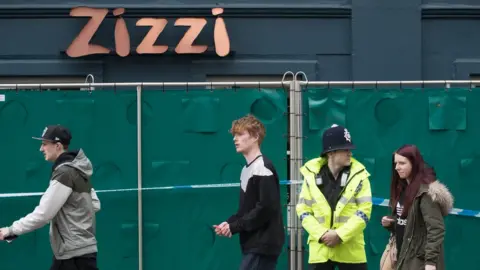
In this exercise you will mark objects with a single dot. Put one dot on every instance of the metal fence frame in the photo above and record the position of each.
(295, 136)
(300, 86)
(141, 86)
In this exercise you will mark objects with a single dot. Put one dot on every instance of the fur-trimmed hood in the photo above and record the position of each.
(441, 195)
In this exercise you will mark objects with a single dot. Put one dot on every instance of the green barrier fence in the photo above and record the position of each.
(185, 141)
(441, 122)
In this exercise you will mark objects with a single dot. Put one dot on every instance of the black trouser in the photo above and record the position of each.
(341, 266)
(86, 262)
(252, 261)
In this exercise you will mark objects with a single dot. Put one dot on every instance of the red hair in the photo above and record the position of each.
(421, 174)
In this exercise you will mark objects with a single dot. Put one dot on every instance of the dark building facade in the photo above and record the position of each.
(328, 40)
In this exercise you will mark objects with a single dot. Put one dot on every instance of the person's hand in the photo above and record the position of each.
(226, 230)
(223, 229)
(4, 232)
(387, 221)
(430, 267)
(322, 238)
(330, 238)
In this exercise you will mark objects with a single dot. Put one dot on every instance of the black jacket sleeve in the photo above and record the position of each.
(233, 217)
(265, 208)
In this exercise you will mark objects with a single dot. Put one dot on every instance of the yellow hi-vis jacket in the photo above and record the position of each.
(348, 219)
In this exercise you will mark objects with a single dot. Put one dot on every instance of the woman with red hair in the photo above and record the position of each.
(419, 203)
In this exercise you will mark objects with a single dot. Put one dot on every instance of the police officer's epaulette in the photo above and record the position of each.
(318, 180)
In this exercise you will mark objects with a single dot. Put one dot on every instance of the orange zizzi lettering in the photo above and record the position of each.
(81, 45)
(122, 37)
(222, 41)
(157, 26)
(185, 44)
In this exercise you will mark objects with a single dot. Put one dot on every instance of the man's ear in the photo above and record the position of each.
(59, 146)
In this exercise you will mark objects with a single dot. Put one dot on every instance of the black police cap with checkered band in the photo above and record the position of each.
(336, 138)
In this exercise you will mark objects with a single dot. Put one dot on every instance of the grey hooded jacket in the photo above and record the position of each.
(69, 204)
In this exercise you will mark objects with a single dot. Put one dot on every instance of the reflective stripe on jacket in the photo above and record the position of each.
(349, 218)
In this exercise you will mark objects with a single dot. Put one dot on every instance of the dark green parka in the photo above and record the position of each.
(424, 233)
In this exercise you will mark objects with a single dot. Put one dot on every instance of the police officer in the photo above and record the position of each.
(335, 204)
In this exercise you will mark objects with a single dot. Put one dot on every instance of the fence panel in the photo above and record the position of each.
(442, 122)
(99, 126)
(185, 142)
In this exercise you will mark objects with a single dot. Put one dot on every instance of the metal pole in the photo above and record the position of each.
(294, 161)
(139, 177)
(300, 137)
(229, 84)
(401, 83)
(299, 162)
(254, 84)
(293, 193)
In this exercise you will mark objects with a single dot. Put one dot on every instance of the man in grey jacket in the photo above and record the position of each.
(69, 204)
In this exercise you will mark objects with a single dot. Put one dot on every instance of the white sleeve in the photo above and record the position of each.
(50, 203)
(95, 201)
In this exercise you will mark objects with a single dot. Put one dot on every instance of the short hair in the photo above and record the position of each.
(250, 124)
(65, 147)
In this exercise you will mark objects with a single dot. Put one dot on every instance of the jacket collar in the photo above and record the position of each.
(423, 189)
(314, 166)
(439, 194)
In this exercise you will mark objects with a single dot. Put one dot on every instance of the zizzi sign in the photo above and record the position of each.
(82, 46)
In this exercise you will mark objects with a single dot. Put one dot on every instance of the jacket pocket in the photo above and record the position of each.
(419, 248)
(60, 235)
(58, 242)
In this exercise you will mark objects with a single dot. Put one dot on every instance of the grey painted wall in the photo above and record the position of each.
(328, 40)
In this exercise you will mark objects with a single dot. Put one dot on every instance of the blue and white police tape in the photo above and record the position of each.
(376, 201)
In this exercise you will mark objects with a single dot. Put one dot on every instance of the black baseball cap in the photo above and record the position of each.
(56, 133)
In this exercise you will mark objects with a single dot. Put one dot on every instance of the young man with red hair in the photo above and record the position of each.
(259, 218)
